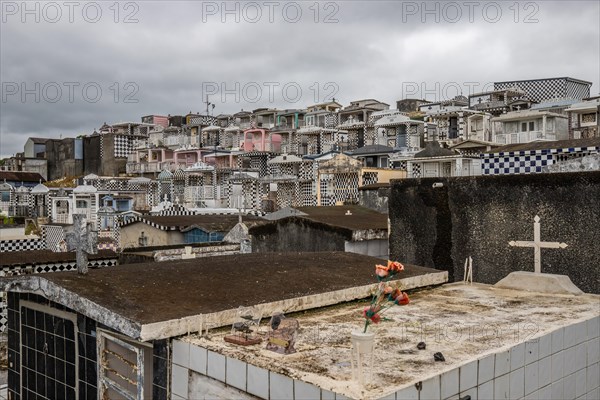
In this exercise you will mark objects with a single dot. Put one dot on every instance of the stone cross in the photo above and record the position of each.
(83, 240)
(188, 253)
(537, 245)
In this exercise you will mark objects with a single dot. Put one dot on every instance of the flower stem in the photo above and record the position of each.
(366, 325)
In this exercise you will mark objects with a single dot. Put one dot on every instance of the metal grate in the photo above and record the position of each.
(48, 353)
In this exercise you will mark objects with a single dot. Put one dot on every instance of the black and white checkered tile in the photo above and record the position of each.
(548, 89)
(53, 235)
(369, 178)
(331, 120)
(416, 170)
(123, 145)
(175, 210)
(21, 245)
(527, 162)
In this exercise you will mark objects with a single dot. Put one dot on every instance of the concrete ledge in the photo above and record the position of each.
(541, 283)
(182, 326)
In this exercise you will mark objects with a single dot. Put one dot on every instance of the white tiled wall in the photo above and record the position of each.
(564, 364)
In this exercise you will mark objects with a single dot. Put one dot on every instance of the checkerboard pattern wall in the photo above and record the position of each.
(370, 178)
(123, 145)
(53, 234)
(416, 170)
(21, 245)
(528, 162)
(548, 89)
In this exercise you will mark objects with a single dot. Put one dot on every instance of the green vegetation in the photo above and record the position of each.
(31, 229)
(6, 220)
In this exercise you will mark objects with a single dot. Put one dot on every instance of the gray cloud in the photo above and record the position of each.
(376, 49)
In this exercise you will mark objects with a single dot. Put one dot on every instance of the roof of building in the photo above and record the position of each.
(373, 149)
(517, 115)
(206, 222)
(82, 189)
(545, 79)
(543, 145)
(585, 105)
(20, 176)
(352, 222)
(320, 155)
(558, 103)
(160, 300)
(37, 257)
(373, 186)
(433, 149)
(38, 140)
(165, 175)
(473, 143)
(285, 158)
(283, 213)
(360, 218)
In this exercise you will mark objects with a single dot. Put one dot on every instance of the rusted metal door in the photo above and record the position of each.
(122, 367)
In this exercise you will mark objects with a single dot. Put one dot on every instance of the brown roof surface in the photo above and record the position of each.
(433, 149)
(17, 176)
(36, 257)
(156, 292)
(361, 218)
(212, 223)
(375, 186)
(557, 144)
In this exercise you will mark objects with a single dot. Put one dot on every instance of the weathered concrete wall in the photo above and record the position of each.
(478, 216)
(36, 165)
(111, 166)
(130, 236)
(92, 163)
(587, 163)
(217, 249)
(295, 236)
(63, 158)
(375, 198)
(375, 248)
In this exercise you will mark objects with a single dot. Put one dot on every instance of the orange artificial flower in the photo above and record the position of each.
(402, 300)
(395, 266)
(381, 271)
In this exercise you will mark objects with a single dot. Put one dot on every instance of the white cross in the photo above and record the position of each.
(537, 245)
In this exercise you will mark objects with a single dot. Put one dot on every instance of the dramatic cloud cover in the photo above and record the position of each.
(163, 57)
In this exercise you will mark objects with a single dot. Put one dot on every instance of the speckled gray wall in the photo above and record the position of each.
(289, 236)
(477, 216)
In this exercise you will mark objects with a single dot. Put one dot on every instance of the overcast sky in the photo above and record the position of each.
(159, 57)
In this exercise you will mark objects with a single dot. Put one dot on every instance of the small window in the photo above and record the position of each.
(531, 126)
(81, 204)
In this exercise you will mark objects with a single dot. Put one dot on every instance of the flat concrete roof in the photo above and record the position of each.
(159, 300)
(463, 322)
(361, 218)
